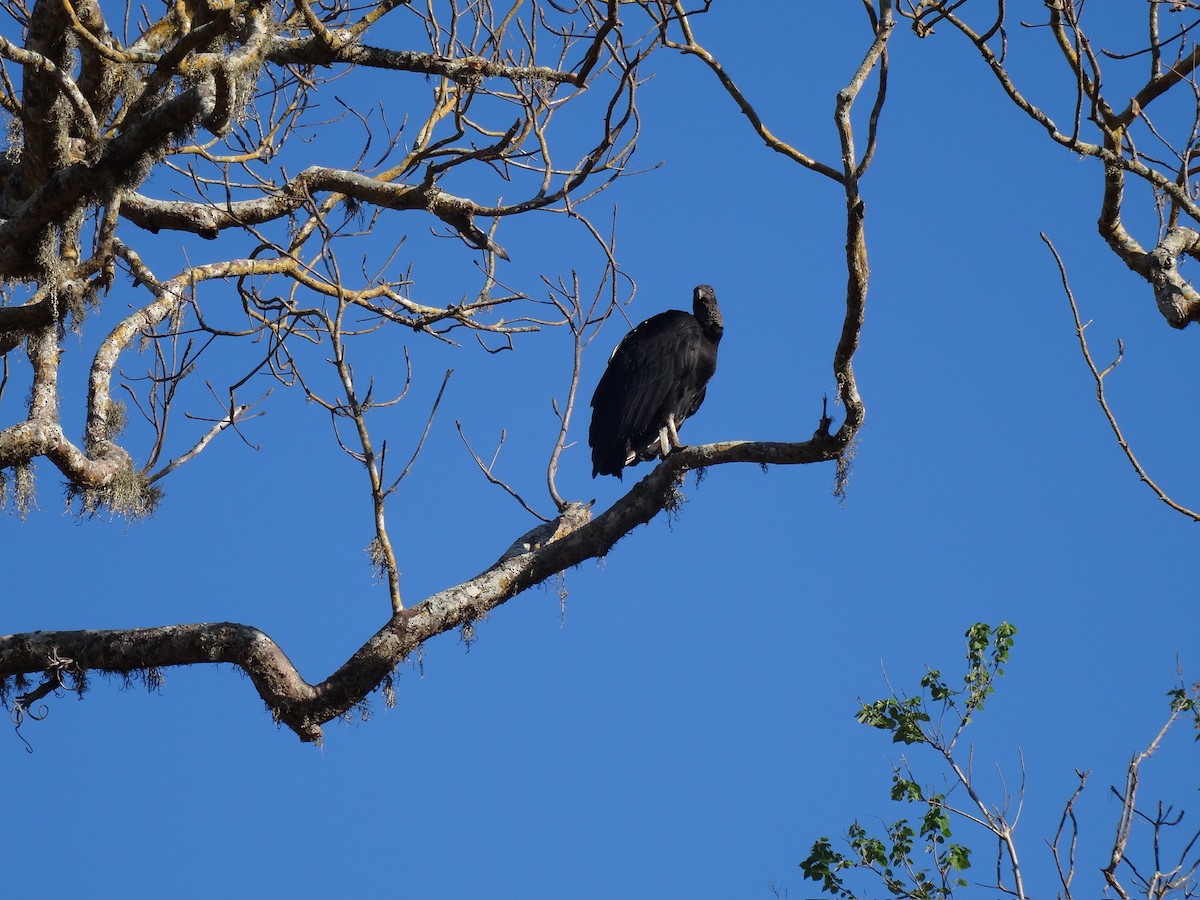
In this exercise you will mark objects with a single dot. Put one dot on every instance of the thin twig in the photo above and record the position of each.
(1099, 377)
(486, 469)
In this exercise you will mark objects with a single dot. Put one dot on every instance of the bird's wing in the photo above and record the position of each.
(643, 377)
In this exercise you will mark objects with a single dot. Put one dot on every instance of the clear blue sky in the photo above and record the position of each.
(683, 725)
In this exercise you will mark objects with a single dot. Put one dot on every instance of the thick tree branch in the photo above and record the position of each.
(31, 439)
(545, 551)
(208, 219)
(314, 51)
(1177, 300)
(125, 161)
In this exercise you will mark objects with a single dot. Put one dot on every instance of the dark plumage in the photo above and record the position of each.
(655, 379)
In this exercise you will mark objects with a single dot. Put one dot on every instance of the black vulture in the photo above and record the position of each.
(655, 379)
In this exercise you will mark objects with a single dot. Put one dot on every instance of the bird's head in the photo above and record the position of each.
(704, 306)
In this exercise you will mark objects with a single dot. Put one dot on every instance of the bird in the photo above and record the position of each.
(655, 379)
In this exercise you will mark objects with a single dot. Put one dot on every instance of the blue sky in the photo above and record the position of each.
(681, 725)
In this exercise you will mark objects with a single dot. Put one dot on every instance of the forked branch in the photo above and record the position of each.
(1098, 377)
(1121, 128)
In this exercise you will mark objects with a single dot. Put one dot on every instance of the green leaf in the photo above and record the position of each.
(823, 865)
(904, 789)
(959, 858)
(936, 824)
(1180, 701)
(932, 682)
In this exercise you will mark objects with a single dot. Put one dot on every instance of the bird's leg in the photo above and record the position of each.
(664, 438)
(673, 433)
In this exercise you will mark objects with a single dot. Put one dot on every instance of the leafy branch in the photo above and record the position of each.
(936, 718)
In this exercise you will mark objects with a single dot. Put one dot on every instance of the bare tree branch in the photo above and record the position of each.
(539, 554)
(1119, 125)
(1099, 376)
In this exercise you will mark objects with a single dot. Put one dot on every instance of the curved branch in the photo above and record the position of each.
(690, 47)
(168, 296)
(27, 440)
(569, 540)
(1099, 377)
(208, 219)
(1177, 300)
(858, 272)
